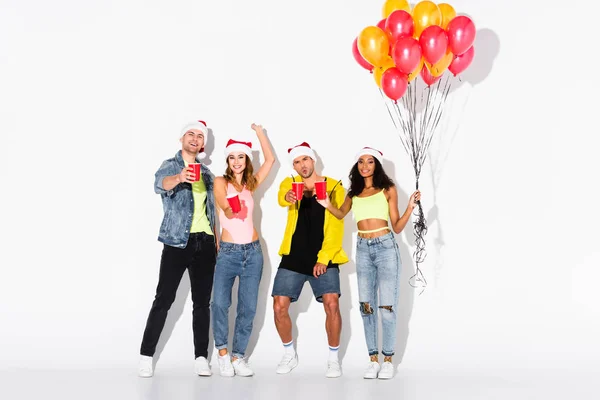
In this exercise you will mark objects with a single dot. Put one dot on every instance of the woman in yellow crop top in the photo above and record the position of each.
(374, 200)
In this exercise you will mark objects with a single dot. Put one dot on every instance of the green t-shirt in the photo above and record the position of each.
(200, 222)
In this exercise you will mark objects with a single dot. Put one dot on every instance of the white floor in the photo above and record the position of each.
(115, 384)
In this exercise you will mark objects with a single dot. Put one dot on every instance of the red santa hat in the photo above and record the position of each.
(369, 151)
(201, 126)
(303, 149)
(237, 146)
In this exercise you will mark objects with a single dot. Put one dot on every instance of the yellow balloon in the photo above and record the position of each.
(413, 75)
(425, 13)
(378, 71)
(373, 45)
(392, 5)
(439, 67)
(448, 13)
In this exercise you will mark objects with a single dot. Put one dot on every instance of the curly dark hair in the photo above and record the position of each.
(357, 182)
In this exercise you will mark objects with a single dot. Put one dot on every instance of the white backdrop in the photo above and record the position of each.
(92, 97)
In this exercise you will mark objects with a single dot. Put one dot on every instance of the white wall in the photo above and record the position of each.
(93, 94)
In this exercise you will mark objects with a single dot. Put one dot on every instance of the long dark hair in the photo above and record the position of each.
(357, 182)
(248, 177)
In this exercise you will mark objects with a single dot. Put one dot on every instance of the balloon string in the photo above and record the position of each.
(416, 130)
(420, 230)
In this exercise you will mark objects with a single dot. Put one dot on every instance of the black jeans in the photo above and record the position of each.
(198, 257)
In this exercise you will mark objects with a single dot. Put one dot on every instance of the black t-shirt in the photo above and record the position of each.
(307, 239)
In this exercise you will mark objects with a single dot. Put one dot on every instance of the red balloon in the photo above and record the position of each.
(461, 34)
(394, 83)
(381, 25)
(359, 59)
(427, 77)
(407, 54)
(462, 62)
(434, 43)
(399, 24)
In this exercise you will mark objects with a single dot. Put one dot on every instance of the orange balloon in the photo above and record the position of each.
(448, 13)
(415, 73)
(378, 71)
(392, 5)
(425, 13)
(374, 45)
(439, 67)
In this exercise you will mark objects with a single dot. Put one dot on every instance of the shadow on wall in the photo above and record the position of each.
(209, 149)
(487, 47)
(264, 292)
(406, 293)
(347, 272)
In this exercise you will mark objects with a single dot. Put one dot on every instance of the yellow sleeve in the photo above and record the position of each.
(284, 187)
(334, 228)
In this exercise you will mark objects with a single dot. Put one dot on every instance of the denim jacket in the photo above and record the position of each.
(178, 203)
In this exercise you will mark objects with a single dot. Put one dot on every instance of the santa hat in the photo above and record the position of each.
(303, 149)
(201, 126)
(236, 146)
(370, 151)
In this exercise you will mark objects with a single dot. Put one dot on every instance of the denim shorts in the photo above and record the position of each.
(289, 283)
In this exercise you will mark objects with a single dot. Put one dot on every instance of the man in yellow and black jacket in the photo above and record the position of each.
(311, 251)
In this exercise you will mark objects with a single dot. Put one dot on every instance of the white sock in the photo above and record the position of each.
(333, 353)
(289, 348)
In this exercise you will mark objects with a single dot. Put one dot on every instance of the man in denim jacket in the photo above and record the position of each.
(188, 234)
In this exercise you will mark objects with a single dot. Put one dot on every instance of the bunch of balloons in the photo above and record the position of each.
(423, 41)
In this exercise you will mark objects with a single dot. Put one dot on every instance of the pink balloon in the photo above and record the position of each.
(381, 24)
(461, 34)
(434, 42)
(406, 54)
(462, 62)
(394, 83)
(427, 77)
(399, 24)
(359, 59)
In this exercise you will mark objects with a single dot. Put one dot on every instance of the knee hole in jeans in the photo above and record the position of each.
(389, 308)
(365, 308)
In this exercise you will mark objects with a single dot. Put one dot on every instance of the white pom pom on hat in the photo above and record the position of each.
(201, 126)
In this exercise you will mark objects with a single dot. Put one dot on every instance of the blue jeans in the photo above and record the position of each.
(290, 283)
(246, 262)
(378, 267)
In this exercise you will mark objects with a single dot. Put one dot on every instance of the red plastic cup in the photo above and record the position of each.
(321, 189)
(298, 188)
(195, 168)
(234, 203)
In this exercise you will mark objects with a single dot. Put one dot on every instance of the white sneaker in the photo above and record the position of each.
(201, 367)
(145, 369)
(241, 368)
(372, 370)
(334, 370)
(225, 367)
(287, 363)
(387, 371)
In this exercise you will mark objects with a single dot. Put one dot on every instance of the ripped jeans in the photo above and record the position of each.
(378, 267)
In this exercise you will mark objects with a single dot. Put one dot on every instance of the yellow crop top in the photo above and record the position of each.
(374, 206)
